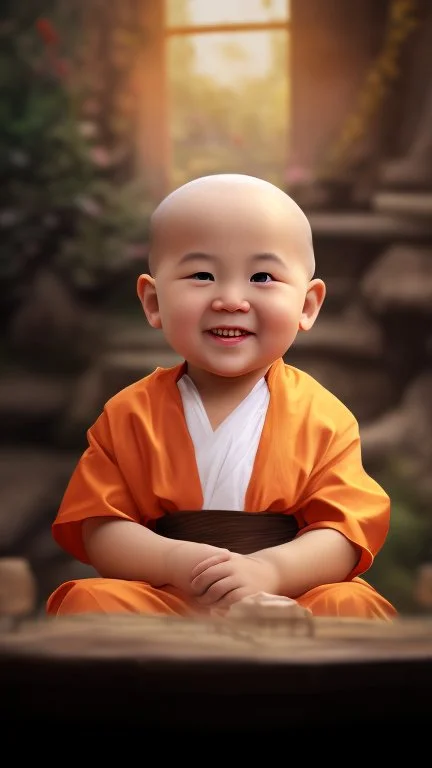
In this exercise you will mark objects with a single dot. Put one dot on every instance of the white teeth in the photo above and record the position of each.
(228, 332)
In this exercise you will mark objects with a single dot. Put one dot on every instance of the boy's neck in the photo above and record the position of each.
(222, 394)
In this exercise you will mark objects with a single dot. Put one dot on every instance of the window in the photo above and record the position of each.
(227, 87)
(213, 90)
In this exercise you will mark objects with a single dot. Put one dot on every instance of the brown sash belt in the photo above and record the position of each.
(242, 532)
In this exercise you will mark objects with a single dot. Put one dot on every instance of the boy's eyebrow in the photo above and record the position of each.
(195, 255)
(272, 257)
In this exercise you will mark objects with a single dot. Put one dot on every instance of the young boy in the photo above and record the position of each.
(232, 473)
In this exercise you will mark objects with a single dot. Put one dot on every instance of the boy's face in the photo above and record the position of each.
(231, 284)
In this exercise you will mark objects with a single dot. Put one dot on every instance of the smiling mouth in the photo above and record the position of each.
(229, 332)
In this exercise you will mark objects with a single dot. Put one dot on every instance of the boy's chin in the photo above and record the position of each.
(234, 372)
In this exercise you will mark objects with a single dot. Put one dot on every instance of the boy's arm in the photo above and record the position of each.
(321, 556)
(344, 516)
(318, 557)
(100, 523)
(121, 549)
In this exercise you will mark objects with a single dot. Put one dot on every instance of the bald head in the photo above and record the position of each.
(230, 200)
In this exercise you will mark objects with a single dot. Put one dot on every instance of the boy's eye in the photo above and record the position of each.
(202, 276)
(262, 277)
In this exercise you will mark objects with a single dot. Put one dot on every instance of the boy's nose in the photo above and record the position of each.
(230, 304)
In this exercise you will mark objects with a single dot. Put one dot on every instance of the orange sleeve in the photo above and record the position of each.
(96, 488)
(341, 495)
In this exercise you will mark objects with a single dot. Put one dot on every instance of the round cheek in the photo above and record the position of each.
(170, 304)
(279, 313)
(180, 312)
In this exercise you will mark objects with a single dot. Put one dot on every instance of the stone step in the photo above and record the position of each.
(32, 482)
(119, 369)
(369, 226)
(351, 337)
(136, 335)
(417, 204)
(30, 403)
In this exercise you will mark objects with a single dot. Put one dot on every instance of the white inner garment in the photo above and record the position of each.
(225, 456)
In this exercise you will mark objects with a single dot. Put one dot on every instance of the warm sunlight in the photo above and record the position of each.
(228, 86)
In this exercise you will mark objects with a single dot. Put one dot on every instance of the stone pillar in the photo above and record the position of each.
(152, 137)
(411, 168)
(333, 44)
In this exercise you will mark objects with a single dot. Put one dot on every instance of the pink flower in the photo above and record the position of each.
(297, 174)
(100, 157)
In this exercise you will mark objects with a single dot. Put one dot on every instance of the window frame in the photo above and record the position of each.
(153, 140)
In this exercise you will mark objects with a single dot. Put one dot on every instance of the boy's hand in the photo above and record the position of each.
(219, 582)
(187, 556)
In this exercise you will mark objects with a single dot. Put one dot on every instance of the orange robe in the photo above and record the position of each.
(140, 465)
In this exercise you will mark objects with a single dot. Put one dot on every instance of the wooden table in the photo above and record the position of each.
(193, 676)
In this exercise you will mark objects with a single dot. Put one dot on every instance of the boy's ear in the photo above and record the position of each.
(313, 302)
(147, 295)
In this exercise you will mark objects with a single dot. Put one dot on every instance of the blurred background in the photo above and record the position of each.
(105, 108)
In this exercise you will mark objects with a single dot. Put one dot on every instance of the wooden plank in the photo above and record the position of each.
(139, 674)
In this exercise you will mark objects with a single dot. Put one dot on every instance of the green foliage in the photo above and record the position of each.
(62, 201)
(408, 545)
(102, 244)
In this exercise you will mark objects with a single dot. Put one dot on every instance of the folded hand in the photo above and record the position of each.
(218, 583)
